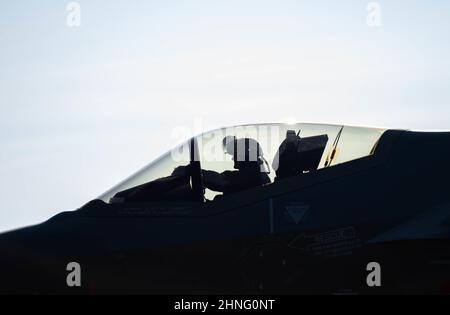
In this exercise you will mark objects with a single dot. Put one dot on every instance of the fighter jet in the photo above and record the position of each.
(255, 209)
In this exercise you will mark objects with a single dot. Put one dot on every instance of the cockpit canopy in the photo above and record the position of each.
(199, 168)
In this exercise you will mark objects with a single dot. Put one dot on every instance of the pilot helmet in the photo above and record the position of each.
(246, 152)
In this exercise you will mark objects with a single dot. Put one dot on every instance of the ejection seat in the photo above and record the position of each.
(298, 155)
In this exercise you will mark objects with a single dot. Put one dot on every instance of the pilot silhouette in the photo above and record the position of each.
(248, 164)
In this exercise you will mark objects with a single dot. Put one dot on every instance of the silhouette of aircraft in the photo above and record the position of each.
(256, 209)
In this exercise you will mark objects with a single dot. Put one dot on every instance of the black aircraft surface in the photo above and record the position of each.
(257, 209)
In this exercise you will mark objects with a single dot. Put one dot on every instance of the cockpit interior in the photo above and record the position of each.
(225, 161)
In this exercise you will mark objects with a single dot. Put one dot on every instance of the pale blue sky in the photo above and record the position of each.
(82, 108)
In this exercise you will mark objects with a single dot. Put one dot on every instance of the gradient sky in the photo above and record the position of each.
(83, 108)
